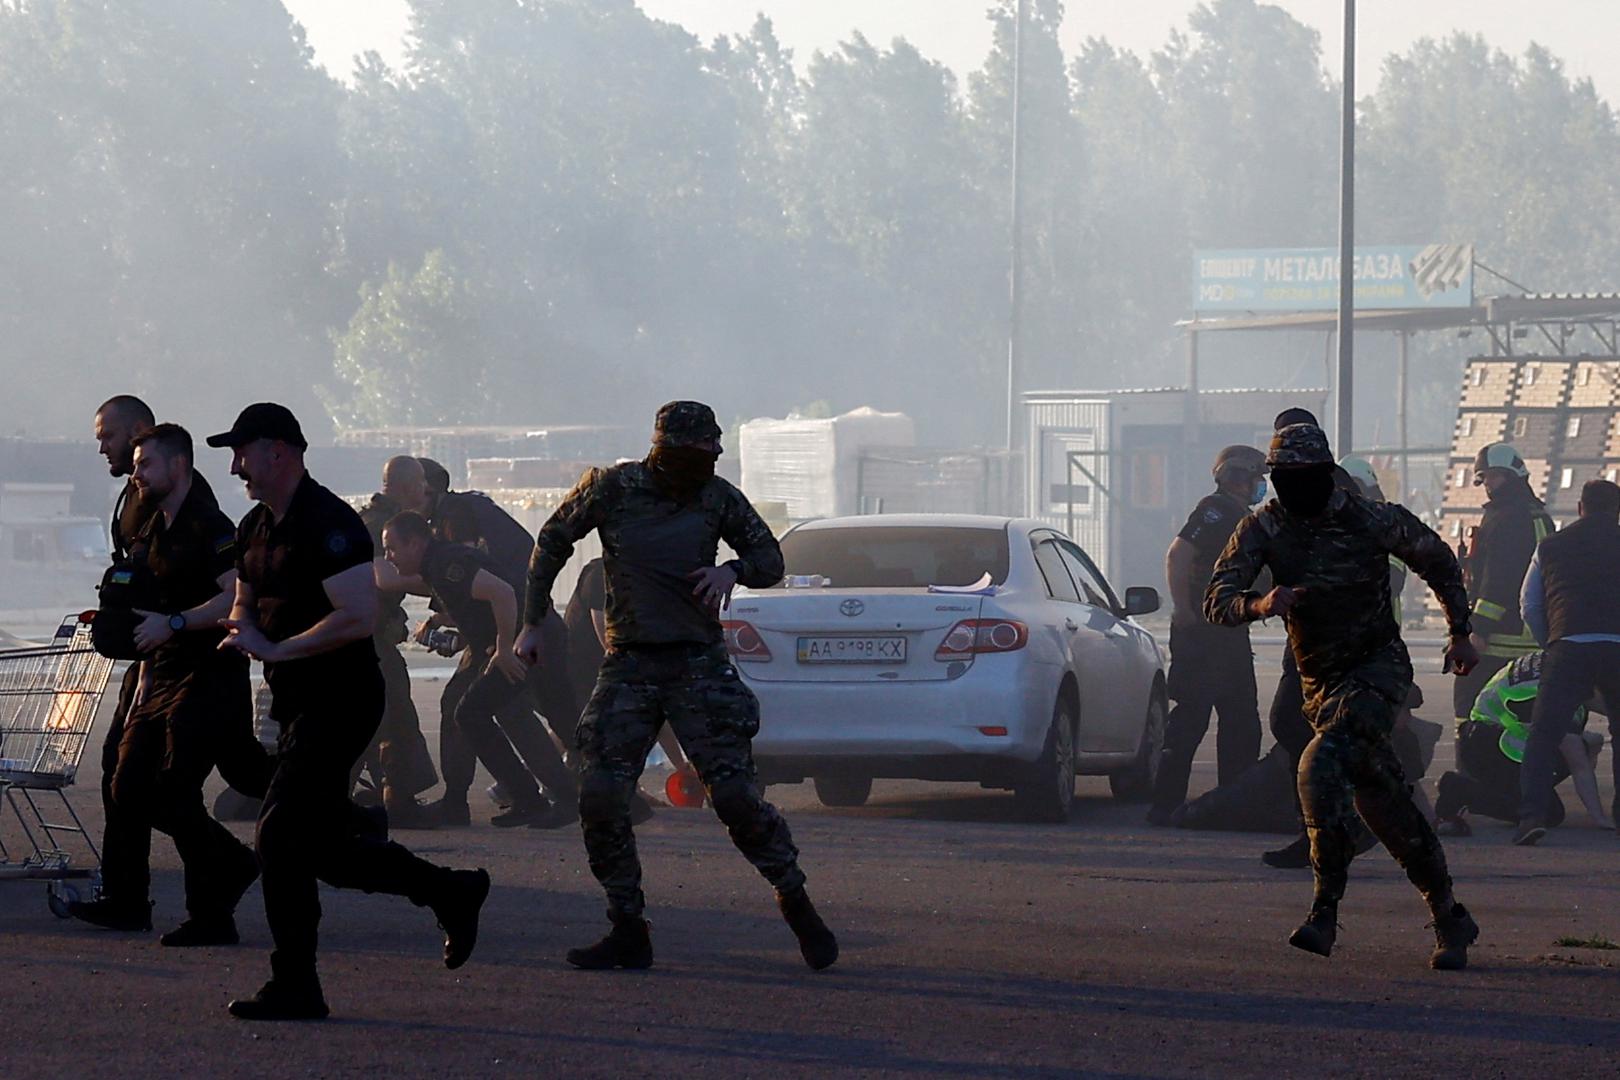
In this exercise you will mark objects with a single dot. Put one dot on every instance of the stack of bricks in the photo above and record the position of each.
(1561, 414)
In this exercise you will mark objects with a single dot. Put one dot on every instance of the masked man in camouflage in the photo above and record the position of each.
(661, 521)
(1328, 551)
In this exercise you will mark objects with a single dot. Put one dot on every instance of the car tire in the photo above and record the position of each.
(1135, 784)
(843, 790)
(1046, 791)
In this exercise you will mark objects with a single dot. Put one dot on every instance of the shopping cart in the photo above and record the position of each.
(48, 700)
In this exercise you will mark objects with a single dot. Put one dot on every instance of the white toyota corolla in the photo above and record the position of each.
(945, 647)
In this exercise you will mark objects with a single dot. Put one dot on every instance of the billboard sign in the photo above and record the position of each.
(1393, 278)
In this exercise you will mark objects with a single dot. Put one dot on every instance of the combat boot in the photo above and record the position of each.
(457, 907)
(281, 999)
(1454, 931)
(817, 944)
(113, 914)
(628, 945)
(1319, 930)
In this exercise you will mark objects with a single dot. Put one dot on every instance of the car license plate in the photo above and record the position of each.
(852, 650)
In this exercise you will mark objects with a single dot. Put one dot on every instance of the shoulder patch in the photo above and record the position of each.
(337, 543)
(1212, 515)
(456, 572)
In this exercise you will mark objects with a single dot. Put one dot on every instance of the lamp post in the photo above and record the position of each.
(1344, 379)
(1015, 274)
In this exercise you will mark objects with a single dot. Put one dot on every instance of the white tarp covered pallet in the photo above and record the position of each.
(813, 466)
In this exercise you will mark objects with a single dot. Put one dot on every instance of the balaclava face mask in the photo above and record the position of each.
(681, 471)
(1303, 490)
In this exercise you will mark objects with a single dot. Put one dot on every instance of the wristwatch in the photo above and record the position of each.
(177, 623)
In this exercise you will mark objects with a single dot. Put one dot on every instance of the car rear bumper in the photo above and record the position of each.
(921, 730)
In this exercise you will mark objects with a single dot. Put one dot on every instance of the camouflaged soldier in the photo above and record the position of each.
(1328, 552)
(661, 521)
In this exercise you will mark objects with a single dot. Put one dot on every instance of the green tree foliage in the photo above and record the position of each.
(567, 211)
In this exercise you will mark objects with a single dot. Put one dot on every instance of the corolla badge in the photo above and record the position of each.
(851, 608)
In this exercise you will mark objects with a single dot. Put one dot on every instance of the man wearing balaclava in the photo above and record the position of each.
(1328, 552)
(661, 521)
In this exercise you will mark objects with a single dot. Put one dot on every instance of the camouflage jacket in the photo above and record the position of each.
(650, 544)
(1346, 617)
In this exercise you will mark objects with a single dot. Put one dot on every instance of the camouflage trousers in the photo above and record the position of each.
(1350, 766)
(697, 692)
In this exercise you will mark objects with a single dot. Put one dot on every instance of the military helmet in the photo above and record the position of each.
(685, 423)
(1299, 444)
(1239, 459)
(1499, 456)
(1360, 470)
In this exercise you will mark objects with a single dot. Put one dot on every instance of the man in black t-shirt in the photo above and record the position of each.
(306, 605)
(492, 707)
(1211, 667)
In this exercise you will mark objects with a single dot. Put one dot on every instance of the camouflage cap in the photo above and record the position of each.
(1299, 444)
(1239, 458)
(685, 423)
(1499, 456)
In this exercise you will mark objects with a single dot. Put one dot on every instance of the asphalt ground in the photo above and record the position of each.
(973, 945)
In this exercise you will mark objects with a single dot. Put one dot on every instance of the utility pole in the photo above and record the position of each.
(1015, 277)
(1344, 381)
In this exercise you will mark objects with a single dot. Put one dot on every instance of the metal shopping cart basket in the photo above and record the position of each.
(49, 695)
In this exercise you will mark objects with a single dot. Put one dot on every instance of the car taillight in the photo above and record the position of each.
(744, 643)
(973, 636)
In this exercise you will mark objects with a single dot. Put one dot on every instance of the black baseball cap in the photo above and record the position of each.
(263, 420)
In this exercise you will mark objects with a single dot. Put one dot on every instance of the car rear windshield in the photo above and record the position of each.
(889, 557)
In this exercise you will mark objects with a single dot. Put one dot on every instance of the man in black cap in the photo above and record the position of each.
(1211, 667)
(661, 521)
(306, 604)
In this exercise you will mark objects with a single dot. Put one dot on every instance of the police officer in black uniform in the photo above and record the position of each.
(306, 603)
(493, 710)
(1211, 667)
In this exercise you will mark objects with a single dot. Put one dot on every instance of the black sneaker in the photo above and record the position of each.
(1454, 826)
(1453, 933)
(450, 813)
(555, 816)
(1529, 834)
(817, 944)
(628, 945)
(195, 933)
(283, 1001)
(1160, 817)
(1296, 856)
(114, 914)
(529, 814)
(457, 910)
(1318, 932)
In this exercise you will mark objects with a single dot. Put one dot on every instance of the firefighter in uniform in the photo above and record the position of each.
(1211, 667)
(661, 521)
(1328, 552)
(1499, 552)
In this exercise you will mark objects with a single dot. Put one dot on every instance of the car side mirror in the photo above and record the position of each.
(1141, 600)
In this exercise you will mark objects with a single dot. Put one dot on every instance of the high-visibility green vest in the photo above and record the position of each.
(1507, 700)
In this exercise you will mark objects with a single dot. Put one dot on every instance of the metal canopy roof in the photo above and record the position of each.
(1493, 310)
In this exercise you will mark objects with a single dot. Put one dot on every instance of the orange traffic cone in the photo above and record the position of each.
(684, 789)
